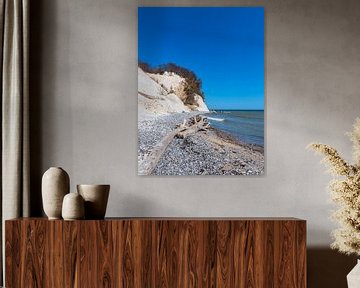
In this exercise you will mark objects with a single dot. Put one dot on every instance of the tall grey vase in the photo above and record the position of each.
(353, 278)
(55, 185)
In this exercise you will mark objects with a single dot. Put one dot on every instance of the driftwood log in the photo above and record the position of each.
(187, 128)
(193, 125)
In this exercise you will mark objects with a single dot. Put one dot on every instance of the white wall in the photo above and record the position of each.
(85, 87)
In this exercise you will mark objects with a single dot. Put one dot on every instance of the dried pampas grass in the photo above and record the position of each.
(345, 191)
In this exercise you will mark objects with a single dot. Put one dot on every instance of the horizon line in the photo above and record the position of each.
(226, 109)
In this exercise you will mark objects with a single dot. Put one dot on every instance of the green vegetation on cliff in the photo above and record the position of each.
(193, 83)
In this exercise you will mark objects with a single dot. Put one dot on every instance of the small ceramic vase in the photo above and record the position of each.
(96, 198)
(55, 185)
(73, 207)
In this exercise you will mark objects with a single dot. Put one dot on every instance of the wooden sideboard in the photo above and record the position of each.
(156, 252)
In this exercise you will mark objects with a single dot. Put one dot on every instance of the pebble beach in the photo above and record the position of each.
(210, 152)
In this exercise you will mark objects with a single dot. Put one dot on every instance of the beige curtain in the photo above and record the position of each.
(14, 25)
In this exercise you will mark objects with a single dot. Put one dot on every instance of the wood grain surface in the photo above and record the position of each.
(159, 252)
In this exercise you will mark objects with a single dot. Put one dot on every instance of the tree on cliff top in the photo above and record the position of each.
(193, 83)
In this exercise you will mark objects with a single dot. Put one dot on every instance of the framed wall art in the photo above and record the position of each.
(201, 91)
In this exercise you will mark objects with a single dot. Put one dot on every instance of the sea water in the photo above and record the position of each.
(245, 125)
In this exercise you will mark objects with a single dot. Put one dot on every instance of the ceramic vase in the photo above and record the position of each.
(73, 207)
(353, 278)
(55, 185)
(96, 198)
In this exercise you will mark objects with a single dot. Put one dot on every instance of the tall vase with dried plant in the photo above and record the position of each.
(345, 192)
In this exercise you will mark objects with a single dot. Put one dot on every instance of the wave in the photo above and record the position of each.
(216, 119)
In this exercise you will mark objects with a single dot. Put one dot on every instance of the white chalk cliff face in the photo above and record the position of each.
(164, 94)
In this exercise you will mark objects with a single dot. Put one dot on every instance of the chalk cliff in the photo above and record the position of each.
(162, 94)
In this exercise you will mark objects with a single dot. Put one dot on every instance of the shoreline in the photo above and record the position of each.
(208, 152)
(236, 141)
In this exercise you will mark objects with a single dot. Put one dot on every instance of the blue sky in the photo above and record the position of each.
(223, 46)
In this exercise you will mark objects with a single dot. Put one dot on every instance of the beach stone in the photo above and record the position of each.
(227, 167)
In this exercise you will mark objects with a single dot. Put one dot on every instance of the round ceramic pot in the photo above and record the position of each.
(96, 198)
(55, 185)
(73, 207)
